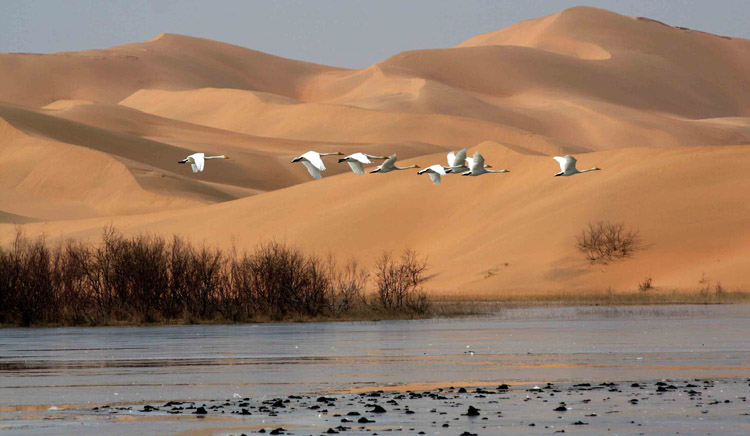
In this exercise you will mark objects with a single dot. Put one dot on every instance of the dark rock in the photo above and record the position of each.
(473, 411)
(200, 411)
(378, 409)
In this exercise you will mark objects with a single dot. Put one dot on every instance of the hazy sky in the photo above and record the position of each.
(345, 33)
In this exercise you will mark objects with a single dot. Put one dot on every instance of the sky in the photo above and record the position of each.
(343, 33)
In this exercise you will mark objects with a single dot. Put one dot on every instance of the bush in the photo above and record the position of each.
(399, 282)
(604, 242)
(149, 279)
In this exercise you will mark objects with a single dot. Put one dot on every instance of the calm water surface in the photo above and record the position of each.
(80, 366)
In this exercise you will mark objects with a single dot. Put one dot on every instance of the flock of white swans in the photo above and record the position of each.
(458, 163)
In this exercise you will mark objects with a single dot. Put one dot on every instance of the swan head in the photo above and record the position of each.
(596, 169)
(342, 160)
(417, 166)
(297, 159)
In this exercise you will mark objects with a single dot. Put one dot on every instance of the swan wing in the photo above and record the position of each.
(437, 169)
(312, 169)
(314, 158)
(460, 158)
(451, 158)
(567, 163)
(356, 166)
(197, 161)
(390, 162)
(359, 157)
(435, 178)
(477, 163)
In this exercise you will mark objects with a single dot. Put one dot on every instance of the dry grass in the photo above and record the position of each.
(459, 306)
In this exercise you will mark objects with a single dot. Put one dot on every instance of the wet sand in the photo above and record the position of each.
(629, 370)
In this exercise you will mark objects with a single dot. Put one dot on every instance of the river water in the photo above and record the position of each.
(62, 368)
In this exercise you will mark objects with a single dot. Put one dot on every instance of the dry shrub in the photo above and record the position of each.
(604, 242)
(645, 285)
(146, 278)
(399, 282)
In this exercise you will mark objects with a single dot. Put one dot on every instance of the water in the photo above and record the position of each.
(76, 367)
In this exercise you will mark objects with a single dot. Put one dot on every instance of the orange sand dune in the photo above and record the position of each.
(92, 138)
(52, 180)
(254, 113)
(165, 62)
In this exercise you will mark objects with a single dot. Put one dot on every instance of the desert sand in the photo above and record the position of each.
(92, 138)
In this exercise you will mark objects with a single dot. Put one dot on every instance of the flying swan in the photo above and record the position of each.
(390, 165)
(356, 160)
(198, 160)
(477, 166)
(434, 171)
(568, 166)
(314, 164)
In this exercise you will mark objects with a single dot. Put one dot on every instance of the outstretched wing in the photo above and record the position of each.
(451, 158)
(314, 158)
(197, 161)
(567, 163)
(312, 169)
(457, 159)
(477, 162)
(360, 157)
(435, 178)
(390, 162)
(356, 166)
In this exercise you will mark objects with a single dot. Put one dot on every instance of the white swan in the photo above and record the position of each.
(477, 166)
(356, 160)
(434, 171)
(457, 162)
(314, 164)
(568, 166)
(198, 160)
(390, 165)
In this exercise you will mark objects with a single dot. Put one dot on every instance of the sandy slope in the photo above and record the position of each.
(528, 219)
(92, 138)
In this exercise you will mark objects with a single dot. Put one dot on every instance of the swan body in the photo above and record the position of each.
(568, 166)
(357, 160)
(477, 166)
(314, 164)
(434, 171)
(390, 165)
(197, 161)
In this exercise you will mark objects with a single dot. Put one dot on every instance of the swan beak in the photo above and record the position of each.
(182, 161)
(342, 160)
(489, 166)
(339, 153)
(296, 159)
(417, 166)
(597, 169)
(226, 157)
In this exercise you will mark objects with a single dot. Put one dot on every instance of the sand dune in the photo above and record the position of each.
(165, 62)
(52, 180)
(472, 227)
(92, 138)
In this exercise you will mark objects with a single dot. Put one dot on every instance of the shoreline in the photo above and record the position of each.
(460, 307)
